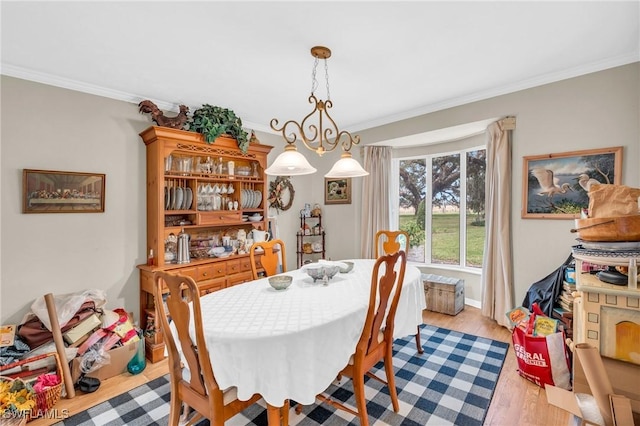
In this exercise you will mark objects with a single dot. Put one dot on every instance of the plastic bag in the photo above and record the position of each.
(66, 306)
(93, 359)
(546, 291)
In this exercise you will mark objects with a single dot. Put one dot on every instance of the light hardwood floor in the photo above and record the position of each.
(516, 401)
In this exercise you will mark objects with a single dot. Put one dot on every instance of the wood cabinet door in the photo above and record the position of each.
(209, 286)
(242, 277)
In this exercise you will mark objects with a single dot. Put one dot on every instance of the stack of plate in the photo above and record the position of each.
(250, 199)
(178, 198)
(610, 245)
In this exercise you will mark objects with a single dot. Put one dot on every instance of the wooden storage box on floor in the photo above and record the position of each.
(443, 294)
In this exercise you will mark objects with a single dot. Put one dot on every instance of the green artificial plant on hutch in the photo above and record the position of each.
(214, 121)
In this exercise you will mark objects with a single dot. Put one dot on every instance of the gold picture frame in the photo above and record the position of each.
(337, 190)
(49, 191)
(553, 185)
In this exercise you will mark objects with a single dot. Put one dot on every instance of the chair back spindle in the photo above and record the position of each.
(386, 286)
(387, 242)
(270, 258)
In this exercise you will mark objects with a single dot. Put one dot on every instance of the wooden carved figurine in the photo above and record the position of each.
(159, 118)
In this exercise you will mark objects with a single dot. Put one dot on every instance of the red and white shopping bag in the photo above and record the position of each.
(542, 359)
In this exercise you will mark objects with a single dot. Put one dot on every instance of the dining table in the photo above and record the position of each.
(291, 344)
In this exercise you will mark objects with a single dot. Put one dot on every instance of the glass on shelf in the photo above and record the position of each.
(180, 165)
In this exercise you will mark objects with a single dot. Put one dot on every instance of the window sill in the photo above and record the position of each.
(443, 267)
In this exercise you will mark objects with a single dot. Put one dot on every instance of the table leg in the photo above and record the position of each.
(418, 344)
(278, 416)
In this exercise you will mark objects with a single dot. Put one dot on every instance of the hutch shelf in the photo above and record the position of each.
(208, 191)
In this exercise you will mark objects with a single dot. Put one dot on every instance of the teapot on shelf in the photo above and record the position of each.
(317, 211)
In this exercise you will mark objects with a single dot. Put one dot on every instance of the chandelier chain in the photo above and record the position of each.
(326, 76)
(314, 80)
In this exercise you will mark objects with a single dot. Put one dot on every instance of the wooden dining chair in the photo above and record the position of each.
(270, 258)
(376, 341)
(387, 242)
(193, 384)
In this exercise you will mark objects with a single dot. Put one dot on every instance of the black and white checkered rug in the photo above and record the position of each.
(450, 384)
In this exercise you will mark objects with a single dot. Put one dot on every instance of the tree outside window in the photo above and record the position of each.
(444, 218)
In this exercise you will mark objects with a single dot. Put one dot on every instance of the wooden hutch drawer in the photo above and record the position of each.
(210, 286)
(190, 272)
(219, 218)
(239, 278)
(245, 264)
(214, 270)
(233, 266)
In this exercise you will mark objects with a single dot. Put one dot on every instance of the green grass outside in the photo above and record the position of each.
(445, 246)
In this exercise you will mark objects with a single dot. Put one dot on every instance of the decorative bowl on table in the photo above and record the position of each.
(321, 272)
(280, 282)
(348, 266)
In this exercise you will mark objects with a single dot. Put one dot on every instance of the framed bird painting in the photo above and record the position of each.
(556, 186)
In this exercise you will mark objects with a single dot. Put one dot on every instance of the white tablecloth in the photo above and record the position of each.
(291, 344)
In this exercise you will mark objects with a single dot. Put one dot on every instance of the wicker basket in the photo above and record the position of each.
(46, 399)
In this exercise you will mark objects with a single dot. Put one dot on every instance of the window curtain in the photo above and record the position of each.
(497, 266)
(375, 187)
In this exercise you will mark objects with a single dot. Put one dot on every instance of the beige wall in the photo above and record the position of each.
(44, 127)
(48, 128)
(592, 111)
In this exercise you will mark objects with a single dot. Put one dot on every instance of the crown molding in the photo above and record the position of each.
(26, 74)
(92, 89)
(502, 90)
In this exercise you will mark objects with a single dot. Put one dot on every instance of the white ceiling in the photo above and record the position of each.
(391, 60)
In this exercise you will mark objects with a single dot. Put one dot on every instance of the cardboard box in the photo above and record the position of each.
(598, 403)
(119, 358)
(620, 407)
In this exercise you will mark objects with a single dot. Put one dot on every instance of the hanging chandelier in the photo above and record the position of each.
(318, 132)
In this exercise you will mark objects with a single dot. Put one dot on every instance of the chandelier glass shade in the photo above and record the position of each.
(346, 167)
(290, 163)
(318, 132)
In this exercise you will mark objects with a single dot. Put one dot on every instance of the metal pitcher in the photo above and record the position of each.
(183, 247)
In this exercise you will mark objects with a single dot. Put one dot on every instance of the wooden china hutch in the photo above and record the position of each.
(208, 191)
